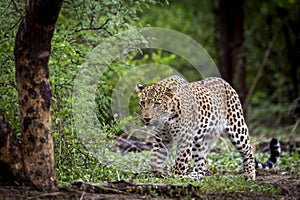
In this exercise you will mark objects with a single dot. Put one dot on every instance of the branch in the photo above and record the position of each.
(102, 27)
(124, 187)
(92, 28)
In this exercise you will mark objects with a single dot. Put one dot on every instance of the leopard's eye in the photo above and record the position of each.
(142, 103)
(156, 104)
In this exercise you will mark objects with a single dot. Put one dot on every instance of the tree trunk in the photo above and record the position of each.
(32, 52)
(232, 62)
(11, 163)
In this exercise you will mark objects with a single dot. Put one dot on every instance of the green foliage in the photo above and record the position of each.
(79, 29)
(10, 18)
(83, 165)
(271, 26)
(194, 19)
(267, 119)
(289, 164)
(8, 92)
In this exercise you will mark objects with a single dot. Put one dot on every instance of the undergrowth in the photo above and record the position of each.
(224, 175)
(217, 184)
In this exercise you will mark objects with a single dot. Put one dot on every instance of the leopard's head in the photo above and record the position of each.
(155, 102)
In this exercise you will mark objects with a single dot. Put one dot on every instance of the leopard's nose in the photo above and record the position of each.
(146, 119)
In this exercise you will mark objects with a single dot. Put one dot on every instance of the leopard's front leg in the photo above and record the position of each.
(161, 148)
(183, 154)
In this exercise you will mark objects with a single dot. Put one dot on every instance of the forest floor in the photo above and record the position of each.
(289, 185)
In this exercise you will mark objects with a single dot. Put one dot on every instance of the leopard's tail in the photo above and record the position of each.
(275, 151)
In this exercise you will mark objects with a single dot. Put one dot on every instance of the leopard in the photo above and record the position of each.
(189, 117)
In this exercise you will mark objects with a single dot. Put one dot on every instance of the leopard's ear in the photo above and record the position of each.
(139, 87)
(169, 92)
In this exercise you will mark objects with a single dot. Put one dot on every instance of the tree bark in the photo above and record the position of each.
(10, 153)
(32, 52)
(232, 62)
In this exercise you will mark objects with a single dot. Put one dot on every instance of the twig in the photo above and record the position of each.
(82, 195)
(102, 27)
(92, 28)
(17, 9)
(4, 11)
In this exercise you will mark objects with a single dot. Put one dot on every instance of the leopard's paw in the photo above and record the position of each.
(196, 175)
(160, 174)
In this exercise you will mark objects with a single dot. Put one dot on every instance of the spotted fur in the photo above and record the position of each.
(191, 115)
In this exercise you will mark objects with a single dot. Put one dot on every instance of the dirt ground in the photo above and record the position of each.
(289, 185)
